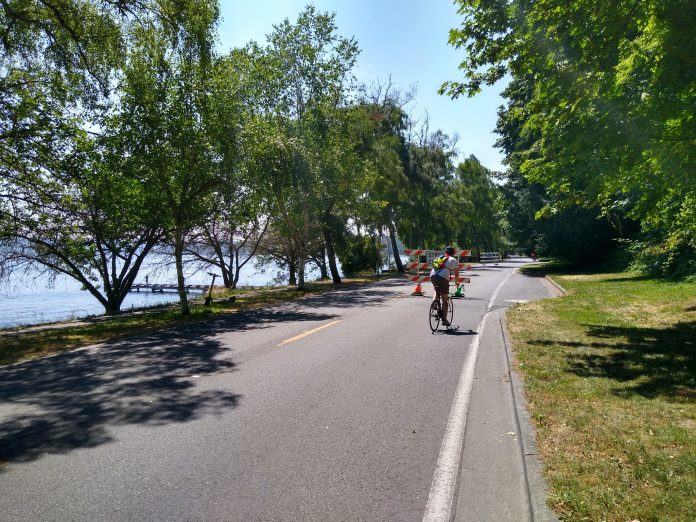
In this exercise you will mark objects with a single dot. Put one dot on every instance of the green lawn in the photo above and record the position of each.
(610, 373)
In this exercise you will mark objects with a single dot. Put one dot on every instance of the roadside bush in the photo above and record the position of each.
(674, 258)
(359, 253)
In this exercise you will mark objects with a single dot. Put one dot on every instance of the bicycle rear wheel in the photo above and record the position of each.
(434, 315)
(450, 309)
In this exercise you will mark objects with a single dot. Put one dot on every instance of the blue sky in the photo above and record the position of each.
(406, 39)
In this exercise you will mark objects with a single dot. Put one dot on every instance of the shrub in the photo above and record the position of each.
(359, 253)
(674, 258)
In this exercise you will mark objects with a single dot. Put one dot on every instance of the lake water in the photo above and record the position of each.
(31, 302)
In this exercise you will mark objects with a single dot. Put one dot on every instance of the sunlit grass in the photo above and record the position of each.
(610, 373)
(27, 343)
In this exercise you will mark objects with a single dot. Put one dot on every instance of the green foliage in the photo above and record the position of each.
(675, 258)
(476, 207)
(123, 132)
(84, 186)
(305, 73)
(600, 102)
(174, 117)
(83, 217)
(429, 171)
(68, 47)
(359, 253)
(573, 234)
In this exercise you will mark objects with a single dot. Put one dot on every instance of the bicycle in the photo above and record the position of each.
(435, 313)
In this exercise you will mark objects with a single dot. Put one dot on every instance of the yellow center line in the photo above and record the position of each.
(308, 332)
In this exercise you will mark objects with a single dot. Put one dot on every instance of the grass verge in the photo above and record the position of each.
(610, 375)
(21, 344)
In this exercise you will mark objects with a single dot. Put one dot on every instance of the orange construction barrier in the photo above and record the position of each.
(417, 264)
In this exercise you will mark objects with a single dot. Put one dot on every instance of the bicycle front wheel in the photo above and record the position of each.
(450, 309)
(434, 315)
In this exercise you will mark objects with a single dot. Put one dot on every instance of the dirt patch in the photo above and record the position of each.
(687, 423)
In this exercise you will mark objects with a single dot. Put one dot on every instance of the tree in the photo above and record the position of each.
(537, 222)
(476, 207)
(175, 112)
(68, 204)
(238, 216)
(386, 156)
(306, 71)
(430, 171)
(359, 253)
(57, 64)
(85, 216)
(231, 236)
(609, 91)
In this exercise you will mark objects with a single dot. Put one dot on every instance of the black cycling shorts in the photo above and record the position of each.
(441, 284)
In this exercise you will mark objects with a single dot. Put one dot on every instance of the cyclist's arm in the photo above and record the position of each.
(455, 271)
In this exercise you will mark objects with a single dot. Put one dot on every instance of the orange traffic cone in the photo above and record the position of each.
(418, 290)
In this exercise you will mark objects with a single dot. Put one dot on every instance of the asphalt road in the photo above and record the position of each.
(333, 407)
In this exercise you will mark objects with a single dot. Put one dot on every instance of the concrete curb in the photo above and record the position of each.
(558, 287)
(537, 487)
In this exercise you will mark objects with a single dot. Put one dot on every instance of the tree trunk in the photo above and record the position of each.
(226, 278)
(227, 274)
(116, 288)
(331, 253)
(234, 267)
(222, 265)
(395, 250)
(300, 272)
(321, 263)
(179, 261)
(235, 279)
(113, 306)
(292, 268)
(114, 298)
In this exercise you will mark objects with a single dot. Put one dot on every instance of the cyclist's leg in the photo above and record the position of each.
(436, 292)
(444, 300)
(445, 320)
(441, 286)
(445, 305)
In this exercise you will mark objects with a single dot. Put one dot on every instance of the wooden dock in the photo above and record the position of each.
(167, 288)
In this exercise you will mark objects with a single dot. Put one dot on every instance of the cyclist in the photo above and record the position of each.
(439, 277)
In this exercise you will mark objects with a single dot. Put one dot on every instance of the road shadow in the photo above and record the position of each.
(469, 298)
(258, 319)
(544, 269)
(454, 332)
(73, 400)
(518, 260)
(651, 362)
(349, 296)
(70, 401)
(457, 332)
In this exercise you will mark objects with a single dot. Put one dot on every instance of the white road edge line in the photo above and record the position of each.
(439, 506)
